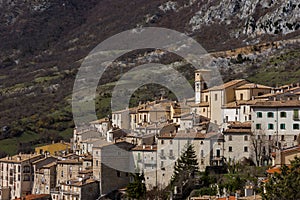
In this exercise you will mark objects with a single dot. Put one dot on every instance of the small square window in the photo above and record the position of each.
(283, 114)
(296, 126)
(258, 126)
(282, 126)
(271, 126)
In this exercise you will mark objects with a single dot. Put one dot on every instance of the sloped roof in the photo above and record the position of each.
(291, 103)
(227, 85)
(253, 86)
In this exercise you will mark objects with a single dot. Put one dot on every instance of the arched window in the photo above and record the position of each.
(259, 114)
(283, 114)
(270, 114)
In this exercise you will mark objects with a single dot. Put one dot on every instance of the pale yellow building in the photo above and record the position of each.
(54, 149)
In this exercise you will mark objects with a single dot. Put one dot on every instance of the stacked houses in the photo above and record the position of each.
(232, 122)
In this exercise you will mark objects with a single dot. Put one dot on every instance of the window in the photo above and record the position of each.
(26, 178)
(270, 137)
(171, 153)
(282, 126)
(206, 98)
(244, 109)
(97, 163)
(270, 126)
(246, 137)
(162, 152)
(62, 174)
(258, 126)
(259, 114)
(236, 112)
(202, 162)
(295, 137)
(171, 141)
(203, 109)
(216, 97)
(162, 141)
(283, 114)
(296, 126)
(270, 115)
(282, 138)
(202, 153)
(162, 164)
(241, 96)
(230, 149)
(245, 149)
(229, 137)
(118, 173)
(296, 114)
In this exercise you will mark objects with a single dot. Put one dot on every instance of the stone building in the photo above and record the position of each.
(44, 179)
(237, 141)
(17, 175)
(144, 159)
(279, 121)
(68, 169)
(77, 189)
(112, 165)
(170, 145)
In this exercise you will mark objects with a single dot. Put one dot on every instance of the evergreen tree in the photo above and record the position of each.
(286, 184)
(137, 189)
(185, 167)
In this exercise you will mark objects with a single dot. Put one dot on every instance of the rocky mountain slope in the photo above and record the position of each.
(42, 44)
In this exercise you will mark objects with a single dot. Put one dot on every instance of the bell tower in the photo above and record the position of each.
(200, 82)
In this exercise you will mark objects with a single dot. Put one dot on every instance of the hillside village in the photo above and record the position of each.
(237, 121)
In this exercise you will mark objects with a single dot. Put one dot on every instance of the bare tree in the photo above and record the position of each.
(262, 146)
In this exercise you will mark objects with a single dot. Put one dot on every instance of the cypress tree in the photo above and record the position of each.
(185, 167)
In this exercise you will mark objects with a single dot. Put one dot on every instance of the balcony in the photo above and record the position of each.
(296, 117)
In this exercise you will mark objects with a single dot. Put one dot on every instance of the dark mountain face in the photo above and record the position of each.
(43, 41)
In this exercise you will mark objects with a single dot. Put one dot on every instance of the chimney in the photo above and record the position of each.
(18, 158)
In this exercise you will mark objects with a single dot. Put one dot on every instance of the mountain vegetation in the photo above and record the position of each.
(43, 43)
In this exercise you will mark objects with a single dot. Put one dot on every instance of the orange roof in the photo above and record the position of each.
(273, 170)
(265, 181)
(227, 198)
